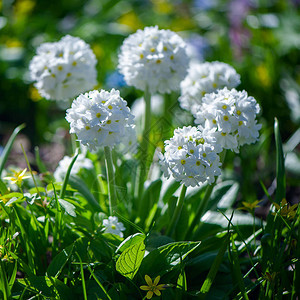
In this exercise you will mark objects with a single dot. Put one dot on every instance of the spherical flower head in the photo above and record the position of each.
(113, 226)
(191, 156)
(231, 115)
(81, 163)
(64, 69)
(153, 59)
(100, 118)
(203, 78)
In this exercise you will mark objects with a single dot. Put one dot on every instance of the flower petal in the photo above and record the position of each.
(156, 280)
(157, 292)
(145, 287)
(148, 280)
(149, 295)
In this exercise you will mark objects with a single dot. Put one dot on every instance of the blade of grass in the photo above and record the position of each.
(8, 146)
(82, 277)
(236, 267)
(99, 283)
(214, 269)
(4, 286)
(65, 183)
(280, 170)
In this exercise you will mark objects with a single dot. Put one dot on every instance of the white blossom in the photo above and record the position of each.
(191, 156)
(205, 78)
(232, 117)
(64, 69)
(100, 118)
(81, 163)
(113, 226)
(154, 59)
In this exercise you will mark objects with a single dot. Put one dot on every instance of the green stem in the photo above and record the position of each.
(112, 196)
(203, 204)
(144, 147)
(201, 208)
(177, 211)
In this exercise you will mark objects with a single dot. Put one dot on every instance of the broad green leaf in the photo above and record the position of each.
(169, 187)
(59, 261)
(69, 207)
(229, 198)
(78, 184)
(130, 260)
(150, 197)
(130, 241)
(7, 148)
(167, 257)
(3, 188)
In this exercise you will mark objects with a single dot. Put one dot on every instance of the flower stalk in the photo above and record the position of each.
(201, 209)
(112, 195)
(144, 148)
(177, 211)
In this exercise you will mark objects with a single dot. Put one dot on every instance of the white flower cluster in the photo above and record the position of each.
(154, 59)
(112, 225)
(81, 163)
(101, 118)
(205, 78)
(232, 116)
(191, 156)
(64, 69)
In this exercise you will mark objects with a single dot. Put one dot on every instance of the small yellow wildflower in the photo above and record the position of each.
(250, 206)
(285, 210)
(18, 177)
(152, 287)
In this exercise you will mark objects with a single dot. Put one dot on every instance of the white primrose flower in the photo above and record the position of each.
(64, 69)
(113, 226)
(81, 163)
(205, 78)
(100, 118)
(191, 156)
(154, 59)
(232, 117)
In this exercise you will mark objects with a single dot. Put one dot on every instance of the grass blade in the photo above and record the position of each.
(8, 146)
(214, 269)
(65, 183)
(280, 170)
(4, 287)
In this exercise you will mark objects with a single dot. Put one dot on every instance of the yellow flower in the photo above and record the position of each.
(18, 177)
(250, 206)
(285, 210)
(152, 287)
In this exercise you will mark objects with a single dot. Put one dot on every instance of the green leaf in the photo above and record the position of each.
(3, 188)
(47, 287)
(167, 257)
(214, 269)
(130, 260)
(236, 268)
(4, 286)
(69, 207)
(81, 187)
(130, 241)
(280, 170)
(65, 183)
(7, 148)
(59, 261)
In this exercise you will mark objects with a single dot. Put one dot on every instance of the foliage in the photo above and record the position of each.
(241, 242)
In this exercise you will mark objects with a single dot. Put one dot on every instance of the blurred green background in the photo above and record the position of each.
(259, 38)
